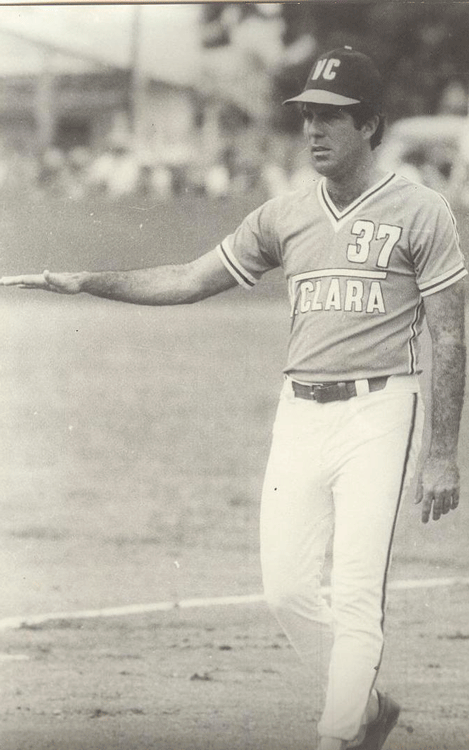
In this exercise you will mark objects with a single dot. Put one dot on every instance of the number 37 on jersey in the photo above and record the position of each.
(353, 288)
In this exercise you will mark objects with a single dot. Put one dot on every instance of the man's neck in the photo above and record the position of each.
(345, 190)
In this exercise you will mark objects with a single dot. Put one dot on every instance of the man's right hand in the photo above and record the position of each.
(61, 283)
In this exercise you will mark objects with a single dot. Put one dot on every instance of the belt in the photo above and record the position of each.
(343, 390)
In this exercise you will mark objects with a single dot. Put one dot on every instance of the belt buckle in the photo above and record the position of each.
(326, 392)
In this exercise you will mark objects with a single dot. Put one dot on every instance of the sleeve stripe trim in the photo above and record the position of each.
(443, 277)
(237, 271)
(442, 285)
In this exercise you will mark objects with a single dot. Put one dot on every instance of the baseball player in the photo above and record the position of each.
(366, 256)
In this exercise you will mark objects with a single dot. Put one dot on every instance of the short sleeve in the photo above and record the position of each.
(437, 255)
(253, 248)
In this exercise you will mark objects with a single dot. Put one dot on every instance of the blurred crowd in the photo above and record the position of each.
(118, 173)
(432, 150)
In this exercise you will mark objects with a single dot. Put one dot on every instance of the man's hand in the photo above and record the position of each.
(438, 487)
(61, 283)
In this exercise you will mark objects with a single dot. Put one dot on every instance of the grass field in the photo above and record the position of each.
(133, 447)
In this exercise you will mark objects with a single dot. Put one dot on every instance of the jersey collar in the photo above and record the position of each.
(336, 217)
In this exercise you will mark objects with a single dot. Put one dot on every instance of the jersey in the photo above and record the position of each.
(356, 278)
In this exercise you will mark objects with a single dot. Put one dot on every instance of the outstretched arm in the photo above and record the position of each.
(161, 285)
(438, 488)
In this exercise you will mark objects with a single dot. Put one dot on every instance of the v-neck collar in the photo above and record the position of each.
(337, 217)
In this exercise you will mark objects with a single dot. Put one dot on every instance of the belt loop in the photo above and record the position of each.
(362, 387)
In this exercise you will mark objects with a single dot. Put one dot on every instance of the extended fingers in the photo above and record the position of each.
(13, 280)
(438, 488)
(28, 281)
(47, 281)
(439, 504)
(427, 507)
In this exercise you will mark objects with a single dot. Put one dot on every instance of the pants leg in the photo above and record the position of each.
(376, 456)
(342, 464)
(296, 525)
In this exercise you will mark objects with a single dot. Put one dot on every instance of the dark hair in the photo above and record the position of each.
(363, 112)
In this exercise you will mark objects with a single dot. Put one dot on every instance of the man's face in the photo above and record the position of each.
(335, 143)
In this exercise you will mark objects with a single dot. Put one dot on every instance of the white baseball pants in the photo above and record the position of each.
(337, 468)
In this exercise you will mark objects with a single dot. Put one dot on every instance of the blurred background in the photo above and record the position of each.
(158, 101)
(134, 439)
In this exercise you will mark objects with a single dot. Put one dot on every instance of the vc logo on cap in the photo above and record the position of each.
(340, 78)
(325, 69)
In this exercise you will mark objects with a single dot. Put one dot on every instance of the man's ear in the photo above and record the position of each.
(370, 127)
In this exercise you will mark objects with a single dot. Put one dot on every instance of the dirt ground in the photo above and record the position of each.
(221, 678)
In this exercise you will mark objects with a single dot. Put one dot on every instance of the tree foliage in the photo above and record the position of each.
(420, 48)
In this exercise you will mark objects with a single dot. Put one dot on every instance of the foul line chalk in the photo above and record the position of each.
(219, 601)
(130, 609)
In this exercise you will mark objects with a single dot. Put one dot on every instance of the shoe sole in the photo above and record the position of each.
(378, 734)
(386, 730)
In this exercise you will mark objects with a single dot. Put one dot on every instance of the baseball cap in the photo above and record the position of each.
(342, 77)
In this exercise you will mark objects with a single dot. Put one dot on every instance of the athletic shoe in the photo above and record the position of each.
(378, 730)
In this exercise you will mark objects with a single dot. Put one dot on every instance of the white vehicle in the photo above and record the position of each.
(432, 150)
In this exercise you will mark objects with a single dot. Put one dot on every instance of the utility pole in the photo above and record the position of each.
(44, 104)
(136, 81)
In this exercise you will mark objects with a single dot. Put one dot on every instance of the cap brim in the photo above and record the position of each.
(318, 96)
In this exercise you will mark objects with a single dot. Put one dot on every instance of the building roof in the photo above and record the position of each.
(162, 40)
